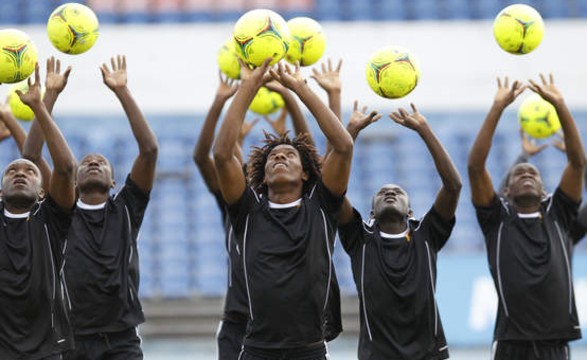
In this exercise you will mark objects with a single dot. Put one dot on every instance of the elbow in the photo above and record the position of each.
(150, 152)
(346, 146)
(221, 156)
(66, 170)
(455, 186)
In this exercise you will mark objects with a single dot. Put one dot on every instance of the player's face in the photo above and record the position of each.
(284, 165)
(21, 182)
(391, 200)
(525, 181)
(94, 169)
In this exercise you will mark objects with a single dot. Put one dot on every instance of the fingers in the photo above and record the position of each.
(323, 65)
(123, 62)
(543, 79)
(329, 65)
(551, 77)
(355, 105)
(67, 72)
(414, 110)
(498, 83)
(50, 64)
(374, 116)
(364, 109)
(255, 121)
(339, 65)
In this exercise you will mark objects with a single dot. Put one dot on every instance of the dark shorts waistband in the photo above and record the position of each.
(299, 353)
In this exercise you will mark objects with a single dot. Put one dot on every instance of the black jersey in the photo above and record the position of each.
(102, 267)
(33, 298)
(236, 308)
(396, 281)
(530, 261)
(288, 268)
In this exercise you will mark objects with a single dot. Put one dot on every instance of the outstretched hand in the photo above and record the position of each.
(115, 78)
(547, 89)
(529, 146)
(227, 87)
(505, 94)
(559, 142)
(329, 78)
(258, 74)
(55, 80)
(33, 95)
(413, 121)
(278, 125)
(291, 79)
(360, 119)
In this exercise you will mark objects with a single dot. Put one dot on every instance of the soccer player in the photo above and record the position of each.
(393, 258)
(284, 222)
(102, 270)
(527, 234)
(34, 222)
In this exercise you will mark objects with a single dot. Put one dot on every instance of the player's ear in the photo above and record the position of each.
(41, 193)
(410, 213)
(305, 176)
(112, 184)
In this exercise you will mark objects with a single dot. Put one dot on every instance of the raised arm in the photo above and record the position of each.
(359, 120)
(298, 118)
(336, 166)
(482, 191)
(572, 179)
(55, 82)
(228, 167)
(329, 80)
(201, 155)
(62, 178)
(448, 196)
(143, 169)
(10, 126)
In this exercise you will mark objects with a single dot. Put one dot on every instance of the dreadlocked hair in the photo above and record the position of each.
(309, 157)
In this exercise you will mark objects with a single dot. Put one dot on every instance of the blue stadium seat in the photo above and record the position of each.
(455, 9)
(10, 12)
(390, 10)
(328, 10)
(424, 10)
(486, 9)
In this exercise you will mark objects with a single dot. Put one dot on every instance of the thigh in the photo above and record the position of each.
(127, 347)
(230, 340)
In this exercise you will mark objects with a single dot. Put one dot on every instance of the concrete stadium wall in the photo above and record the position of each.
(172, 68)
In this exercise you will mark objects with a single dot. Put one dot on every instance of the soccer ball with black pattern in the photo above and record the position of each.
(518, 29)
(538, 117)
(307, 41)
(18, 56)
(260, 34)
(392, 72)
(73, 28)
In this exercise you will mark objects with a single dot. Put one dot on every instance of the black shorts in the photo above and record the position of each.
(530, 350)
(230, 339)
(122, 345)
(315, 352)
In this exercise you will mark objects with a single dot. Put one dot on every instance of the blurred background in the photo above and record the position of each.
(171, 48)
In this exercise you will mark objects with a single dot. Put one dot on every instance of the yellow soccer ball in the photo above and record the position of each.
(260, 34)
(18, 108)
(518, 29)
(307, 41)
(73, 28)
(228, 60)
(266, 102)
(392, 72)
(538, 118)
(18, 56)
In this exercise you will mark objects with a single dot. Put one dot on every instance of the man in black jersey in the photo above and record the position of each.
(527, 234)
(393, 257)
(284, 222)
(102, 270)
(33, 304)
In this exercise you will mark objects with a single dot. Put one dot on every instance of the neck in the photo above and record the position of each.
(284, 194)
(526, 204)
(18, 207)
(94, 198)
(393, 225)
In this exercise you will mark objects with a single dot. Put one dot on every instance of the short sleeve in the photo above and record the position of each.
(563, 208)
(579, 227)
(57, 219)
(136, 199)
(490, 216)
(221, 205)
(436, 229)
(239, 211)
(351, 234)
(328, 201)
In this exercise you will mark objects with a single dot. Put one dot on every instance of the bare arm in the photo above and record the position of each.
(482, 192)
(329, 80)
(448, 196)
(572, 179)
(358, 121)
(32, 150)
(298, 118)
(201, 155)
(11, 126)
(143, 169)
(228, 167)
(62, 178)
(337, 166)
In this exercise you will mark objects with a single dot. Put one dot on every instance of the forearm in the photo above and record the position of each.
(33, 146)
(206, 138)
(482, 144)
(331, 127)
(573, 143)
(63, 159)
(146, 139)
(334, 103)
(298, 119)
(451, 179)
(16, 130)
(228, 135)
